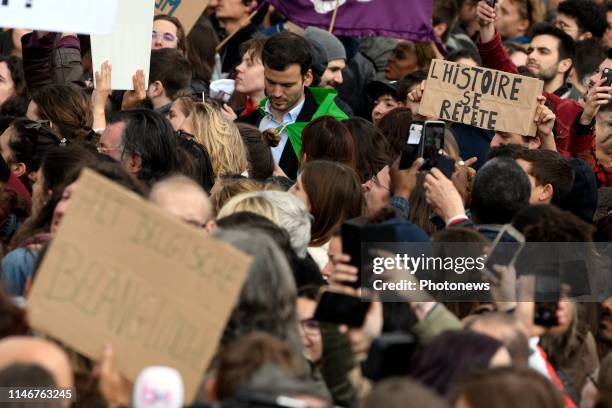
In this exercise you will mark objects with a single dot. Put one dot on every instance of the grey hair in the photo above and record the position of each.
(294, 217)
(267, 301)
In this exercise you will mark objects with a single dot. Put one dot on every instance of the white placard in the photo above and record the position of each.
(67, 16)
(128, 47)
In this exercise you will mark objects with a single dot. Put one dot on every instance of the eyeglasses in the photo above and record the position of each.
(375, 180)
(311, 327)
(165, 36)
(105, 150)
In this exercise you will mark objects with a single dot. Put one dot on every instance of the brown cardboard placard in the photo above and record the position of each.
(481, 97)
(187, 11)
(120, 270)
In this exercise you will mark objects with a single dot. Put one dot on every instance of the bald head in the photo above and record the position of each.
(32, 350)
(184, 198)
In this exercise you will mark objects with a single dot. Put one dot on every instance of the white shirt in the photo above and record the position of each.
(269, 122)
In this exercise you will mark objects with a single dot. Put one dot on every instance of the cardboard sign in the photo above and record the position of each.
(481, 97)
(120, 270)
(187, 11)
(128, 47)
(62, 16)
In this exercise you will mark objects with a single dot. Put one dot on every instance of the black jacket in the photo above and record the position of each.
(289, 162)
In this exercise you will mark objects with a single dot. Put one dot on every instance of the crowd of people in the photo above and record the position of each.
(309, 135)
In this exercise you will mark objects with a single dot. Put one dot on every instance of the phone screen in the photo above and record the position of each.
(506, 247)
(432, 142)
(339, 308)
(607, 73)
(410, 149)
(352, 238)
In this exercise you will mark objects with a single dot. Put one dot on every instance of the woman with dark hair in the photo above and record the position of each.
(67, 110)
(260, 161)
(332, 194)
(13, 99)
(326, 138)
(18, 266)
(371, 148)
(395, 126)
(168, 32)
(202, 44)
(453, 355)
(194, 162)
(24, 144)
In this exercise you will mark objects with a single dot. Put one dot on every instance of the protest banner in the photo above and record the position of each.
(407, 19)
(187, 11)
(63, 16)
(120, 270)
(477, 96)
(128, 47)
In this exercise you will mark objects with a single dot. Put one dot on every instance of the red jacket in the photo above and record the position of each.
(572, 139)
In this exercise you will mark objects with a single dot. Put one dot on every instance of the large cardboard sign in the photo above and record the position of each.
(481, 97)
(62, 16)
(120, 270)
(128, 47)
(187, 11)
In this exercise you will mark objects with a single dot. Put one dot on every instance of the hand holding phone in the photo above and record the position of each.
(341, 308)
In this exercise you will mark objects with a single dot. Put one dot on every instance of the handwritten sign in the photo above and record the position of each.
(128, 47)
(481, 97)
(121, 270)
(82, 16)
(187, 11)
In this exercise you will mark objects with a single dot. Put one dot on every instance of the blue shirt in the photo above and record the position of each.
(269, 122)
(17, 266)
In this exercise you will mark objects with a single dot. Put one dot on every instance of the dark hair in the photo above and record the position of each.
(26, 375)
(419, 211)
(57, 163)
(150, 135)
(508, 387)
(15, 68)
(68, 109)
(401, 393)
(565, 47)
(170, 68)
(509, 150)
(194, 162)
(371, 148)
(395, 126)
(254, 46)
(413, 78)
(326, 138)
(13, 320)
(468, 53)
(241, 359)
(29, 143)
(589, 54)
(285, 49)
(258, 151)
(547, 223)
(335, 195)
(501, 188)
(589, 16)
(201, 49)
(450, 356)
(550, 167)
(445, 11)
(180, 31)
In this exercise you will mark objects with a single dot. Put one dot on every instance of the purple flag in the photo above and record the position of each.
(408, 19)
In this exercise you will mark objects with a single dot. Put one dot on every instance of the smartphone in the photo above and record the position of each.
(607, 73)
(506, 247)
(491, 3)
(446, 165)
(353, 235)
(432, 142)
(410, 150)
(340, 308)
(388, 356)
(545, 314)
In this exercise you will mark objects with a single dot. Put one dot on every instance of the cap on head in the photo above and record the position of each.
(331, 44)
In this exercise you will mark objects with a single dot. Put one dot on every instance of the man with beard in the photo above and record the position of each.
(550, 58)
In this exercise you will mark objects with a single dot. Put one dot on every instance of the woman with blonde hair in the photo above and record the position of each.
(219, 136)
(251, 202)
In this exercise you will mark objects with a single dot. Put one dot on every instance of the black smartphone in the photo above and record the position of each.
(388, 356)
(607, 73)
(410, 150)
(353, 235)
(340, 308)
(432, 142)
(506, 247)
(545, 314)
(491, 3)
(446, 165)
